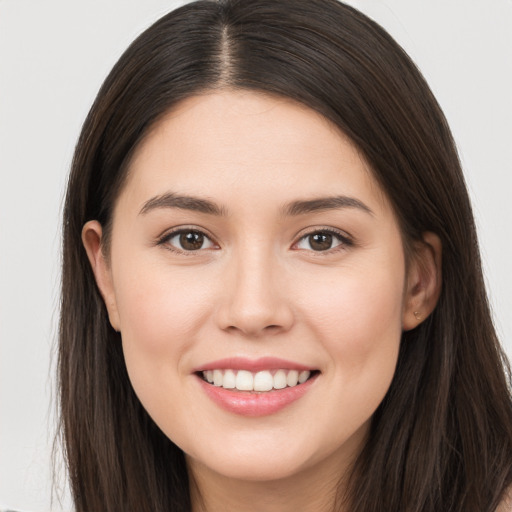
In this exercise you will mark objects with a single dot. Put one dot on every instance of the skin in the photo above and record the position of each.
(257, 288)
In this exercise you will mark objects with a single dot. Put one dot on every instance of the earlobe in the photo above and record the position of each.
(92, 233)
(424, 281)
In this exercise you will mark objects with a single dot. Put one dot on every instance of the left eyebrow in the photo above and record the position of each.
(324, 203)
(182, 202)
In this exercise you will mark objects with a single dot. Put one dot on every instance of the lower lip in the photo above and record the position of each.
(245, 403)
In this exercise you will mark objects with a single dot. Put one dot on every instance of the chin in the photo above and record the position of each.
(261, 469)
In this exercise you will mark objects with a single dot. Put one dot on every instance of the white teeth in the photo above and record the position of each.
(244, 380)
(263, 381)
(292, 378)
(304, 376)
(229, 381)
(217, 377)
(280, 379)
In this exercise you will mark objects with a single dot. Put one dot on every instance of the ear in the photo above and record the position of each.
(92, 233)
(423, 285)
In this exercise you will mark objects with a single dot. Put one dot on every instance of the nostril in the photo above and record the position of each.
(254, 331)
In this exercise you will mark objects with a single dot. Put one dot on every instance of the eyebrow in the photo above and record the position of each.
(324, 203)
(171, 200)
(295, 208)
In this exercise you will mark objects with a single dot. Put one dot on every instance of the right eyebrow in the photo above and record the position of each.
(183, 202)
(323, 204)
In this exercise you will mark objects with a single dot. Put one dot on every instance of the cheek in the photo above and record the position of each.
(359, 319)
(358, 323)
(160, 310)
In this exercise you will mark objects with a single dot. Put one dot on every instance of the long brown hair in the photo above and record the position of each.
(442, 438)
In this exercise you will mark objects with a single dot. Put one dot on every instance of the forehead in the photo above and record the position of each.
(229, 144)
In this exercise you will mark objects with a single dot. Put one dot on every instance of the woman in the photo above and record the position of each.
(272, 293)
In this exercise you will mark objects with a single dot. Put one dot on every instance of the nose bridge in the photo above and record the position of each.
(255, 302)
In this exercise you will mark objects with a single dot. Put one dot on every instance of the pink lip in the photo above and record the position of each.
(250, 403)
(252, 365)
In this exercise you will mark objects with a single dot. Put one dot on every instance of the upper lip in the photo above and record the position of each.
(252, 365)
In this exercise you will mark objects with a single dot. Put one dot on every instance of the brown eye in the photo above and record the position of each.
(191, 241)
(188, 240)
(322, 241)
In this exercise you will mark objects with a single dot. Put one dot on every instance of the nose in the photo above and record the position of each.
(254, 301)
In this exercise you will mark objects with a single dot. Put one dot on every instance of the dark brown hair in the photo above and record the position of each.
(442, 438)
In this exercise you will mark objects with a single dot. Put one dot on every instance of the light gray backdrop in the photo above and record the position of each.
(54, 55)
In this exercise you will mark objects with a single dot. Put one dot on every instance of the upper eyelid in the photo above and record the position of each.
(323, 229)
(169, 233)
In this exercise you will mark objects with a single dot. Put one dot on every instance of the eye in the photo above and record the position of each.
(187, 240)
(322, 240)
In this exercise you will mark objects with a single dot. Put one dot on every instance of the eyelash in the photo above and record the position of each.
(165, 239)
(344, 240)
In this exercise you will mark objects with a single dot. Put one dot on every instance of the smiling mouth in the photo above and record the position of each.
(262, 381)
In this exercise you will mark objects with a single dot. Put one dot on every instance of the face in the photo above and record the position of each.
(257, 276)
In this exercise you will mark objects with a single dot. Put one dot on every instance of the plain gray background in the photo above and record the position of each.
(54, 54)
